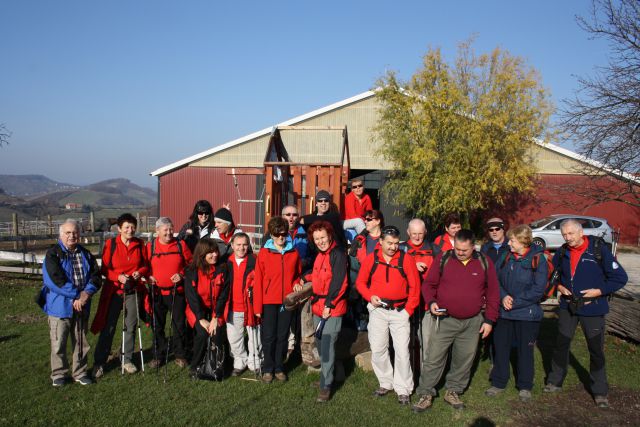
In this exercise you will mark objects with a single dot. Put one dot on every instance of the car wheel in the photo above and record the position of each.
(539, 242)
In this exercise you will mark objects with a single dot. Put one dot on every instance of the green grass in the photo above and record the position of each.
(28, 398)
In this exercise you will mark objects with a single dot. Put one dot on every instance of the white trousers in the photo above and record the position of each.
(355, 223)
(235, 334)
(381, 323)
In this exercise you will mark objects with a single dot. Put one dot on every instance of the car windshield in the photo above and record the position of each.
(539, 223)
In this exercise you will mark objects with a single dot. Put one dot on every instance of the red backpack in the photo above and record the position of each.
(552, 286)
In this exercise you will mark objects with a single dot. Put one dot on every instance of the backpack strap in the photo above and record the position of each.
(444, 260)
(112, 251)
(179, 244)
(399, 267)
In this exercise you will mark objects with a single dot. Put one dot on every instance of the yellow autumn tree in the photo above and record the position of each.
(459, 135)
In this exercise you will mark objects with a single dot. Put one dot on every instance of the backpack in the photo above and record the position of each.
(552, 283)
(479, 255)
(112, 251)
(399, 267)
(153, 250)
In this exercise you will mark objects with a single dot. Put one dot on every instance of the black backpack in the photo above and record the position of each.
(153, 250)
(446, 256)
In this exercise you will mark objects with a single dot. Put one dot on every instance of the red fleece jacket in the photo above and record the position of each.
(354, 208)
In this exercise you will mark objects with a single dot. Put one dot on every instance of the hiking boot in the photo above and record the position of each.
(452, 398)
(493, 391)
(601, 401)
(155, 363)
(525, 395)
(182, 362)
(381, 391)
(281, 376)
(425, 402)
(85, 380)
(98, 371)
(58, 382)
(551, 388)
(324, 395)
(404, 399)
(130, 368)
(238, 372)
(267, 377)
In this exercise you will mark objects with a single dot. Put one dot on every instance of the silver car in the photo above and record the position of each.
(546, 231)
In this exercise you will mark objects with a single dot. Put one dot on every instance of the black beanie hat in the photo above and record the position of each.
(224, 215)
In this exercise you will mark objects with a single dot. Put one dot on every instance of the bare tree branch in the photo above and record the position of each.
(4, 135)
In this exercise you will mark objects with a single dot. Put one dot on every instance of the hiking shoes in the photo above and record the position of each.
(425, 402)
(381, 391)
(404, 399)
(182, 362)
(238, 372)
(59, 382)
(130, 368)
(324, 395)
(281, 376)
(601, 401)
(155, 363)
(493, 391)
(267, 378)
(98, 371)
(525, 395)
(551, 388)
(85, 380)
(452, 398)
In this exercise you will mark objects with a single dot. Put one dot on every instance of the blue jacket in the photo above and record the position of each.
(489, 250)
(58, 287)
(524, 284)
(301, 244)
(609, 277)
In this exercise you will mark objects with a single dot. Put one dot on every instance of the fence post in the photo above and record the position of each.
(14, 232)
(92, 222)
(49, 225)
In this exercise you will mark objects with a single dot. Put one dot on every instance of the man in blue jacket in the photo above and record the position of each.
(589, 273)
(71, 277)
(498, 246)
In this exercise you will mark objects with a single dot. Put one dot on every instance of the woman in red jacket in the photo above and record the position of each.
(123, 264)
(329, 278)
(277, 274)
(207, 291)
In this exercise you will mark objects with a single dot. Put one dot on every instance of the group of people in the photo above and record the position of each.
(445, 292)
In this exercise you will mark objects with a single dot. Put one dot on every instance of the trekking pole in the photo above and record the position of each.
(139, 331)
(166, 359)
(79, 333)
(124, 328)
(153, 329)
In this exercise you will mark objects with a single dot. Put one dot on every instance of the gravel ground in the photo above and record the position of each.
(631, 264)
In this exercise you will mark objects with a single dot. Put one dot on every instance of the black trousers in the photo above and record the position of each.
(275, 333)
(524, 334)
(593, 328)
(162, 306)
(200, 338)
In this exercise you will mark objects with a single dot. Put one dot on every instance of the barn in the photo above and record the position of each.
(234, 172)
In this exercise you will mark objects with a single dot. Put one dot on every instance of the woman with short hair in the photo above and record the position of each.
(277, 274)
(123, 264)
(523, 275)
(329, 279)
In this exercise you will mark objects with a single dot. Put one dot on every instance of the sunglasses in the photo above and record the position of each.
(322, 200)
(390, 230)
(357, 186)
(494, 229)
(367, 219)
(204, 213)
(280, 235)
(290, 214)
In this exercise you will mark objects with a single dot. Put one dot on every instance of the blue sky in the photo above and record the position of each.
(93, 90)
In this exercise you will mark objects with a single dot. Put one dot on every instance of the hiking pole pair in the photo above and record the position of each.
(166, 359)
(257, 365)
(124, 329)
(139, 331)
(153, 327)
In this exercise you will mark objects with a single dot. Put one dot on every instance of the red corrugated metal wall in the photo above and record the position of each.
(547, 201)
(182, 188)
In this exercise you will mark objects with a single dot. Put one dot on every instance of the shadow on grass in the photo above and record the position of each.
(9, 337)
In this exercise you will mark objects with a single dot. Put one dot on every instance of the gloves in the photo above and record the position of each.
(129, 286)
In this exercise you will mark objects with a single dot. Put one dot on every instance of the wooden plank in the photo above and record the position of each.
(299, 164)
(245, 171)
(312, 180)
(296, 171)
(268, 192)
(624, 317)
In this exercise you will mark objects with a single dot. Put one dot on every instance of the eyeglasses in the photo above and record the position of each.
(357, 186)
(494, 229)
(391, 230)
(322, 201)
(290, 214)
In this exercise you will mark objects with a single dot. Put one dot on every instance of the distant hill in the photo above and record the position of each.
(119, 192)
(32, 185)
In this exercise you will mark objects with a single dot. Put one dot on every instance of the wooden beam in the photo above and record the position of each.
(311, 128)
(245, 171)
